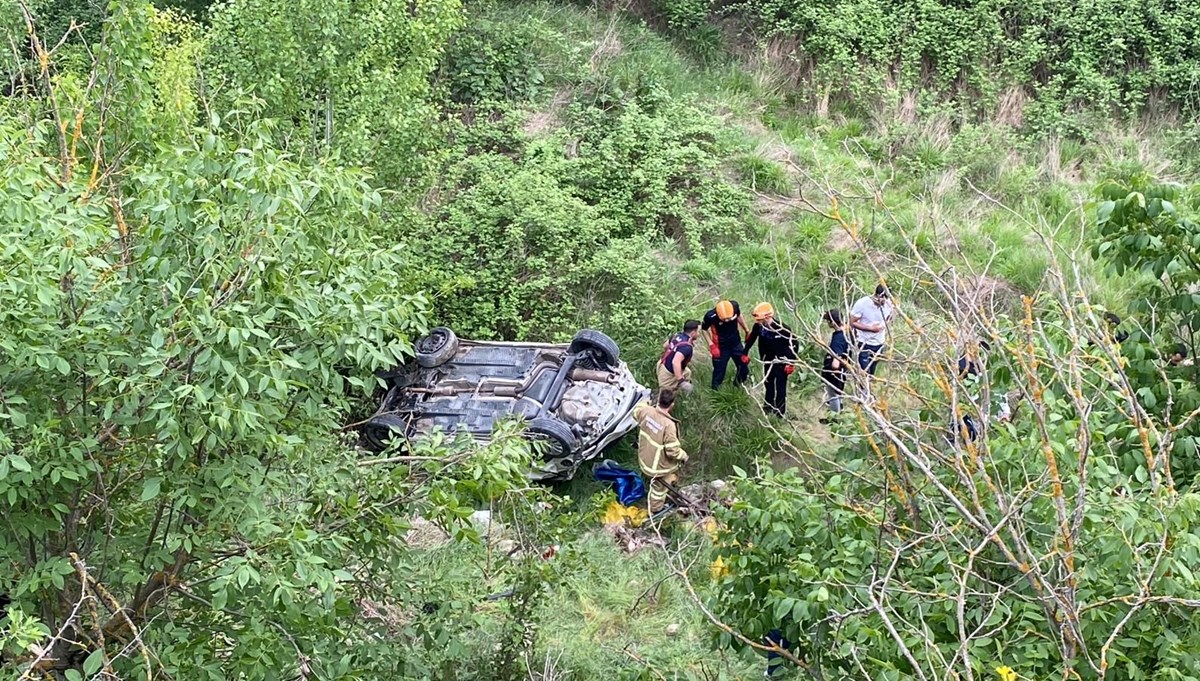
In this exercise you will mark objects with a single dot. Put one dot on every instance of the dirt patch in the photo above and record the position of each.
(393, 617)
(840, 240)
(985, 292)
(544, 122)
(423, 534)
(773, 210)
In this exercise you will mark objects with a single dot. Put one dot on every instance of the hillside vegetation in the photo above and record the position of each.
(219, 220)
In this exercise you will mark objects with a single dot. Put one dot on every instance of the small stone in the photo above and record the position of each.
(672, 630)
(505, 547)
(718, 485)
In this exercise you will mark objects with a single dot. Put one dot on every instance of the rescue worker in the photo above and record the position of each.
(777, 349)
(659, 452)
(674, 374)
(720, 329)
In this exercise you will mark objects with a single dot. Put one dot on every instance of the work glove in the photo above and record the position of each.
(745, 359)
(789, 369)
(714, 350)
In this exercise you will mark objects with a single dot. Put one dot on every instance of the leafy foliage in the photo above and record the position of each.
(535, 236)
(1108, 55)
(1147, 228)
(493, 62)
(338, 76)
(914, 553)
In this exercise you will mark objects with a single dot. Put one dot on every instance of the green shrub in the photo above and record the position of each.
(488, 61)
(532, 238)
(1105, 56)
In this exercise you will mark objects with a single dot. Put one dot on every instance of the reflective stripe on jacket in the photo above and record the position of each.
(659, 452)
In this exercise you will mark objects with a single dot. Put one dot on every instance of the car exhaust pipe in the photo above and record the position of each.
(580, 374)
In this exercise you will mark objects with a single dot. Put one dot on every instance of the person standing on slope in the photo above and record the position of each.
(720, 328)
(833, 369)
(869, 318)
(674, 374)
(777, 349)
(659, 452)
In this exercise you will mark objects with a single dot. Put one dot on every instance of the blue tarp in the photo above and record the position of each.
(628, 483)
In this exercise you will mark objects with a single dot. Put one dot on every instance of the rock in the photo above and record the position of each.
(672, 630)
(506, 547)
(718, 485)
(489, 528)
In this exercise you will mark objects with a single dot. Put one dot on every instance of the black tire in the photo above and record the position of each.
(382, 429)
(559, 438)
(436, 348)
(604, 350)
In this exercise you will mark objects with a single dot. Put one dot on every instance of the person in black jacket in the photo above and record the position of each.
(777, 349)
(833, 371)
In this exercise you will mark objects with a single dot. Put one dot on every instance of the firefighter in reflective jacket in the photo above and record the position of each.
(659, 452)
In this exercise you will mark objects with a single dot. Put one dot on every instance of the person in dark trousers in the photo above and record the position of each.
(869, 318)
(721, 329)
(775, 661)
(970, 372)
(833, 370)
(777, 349)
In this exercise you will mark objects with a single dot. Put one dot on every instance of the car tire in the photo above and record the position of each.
(603, 349)
(562, 442)
(380, 430)
(376, 437)
(436, 348)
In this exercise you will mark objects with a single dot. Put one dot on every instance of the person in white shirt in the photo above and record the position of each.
(869, 318)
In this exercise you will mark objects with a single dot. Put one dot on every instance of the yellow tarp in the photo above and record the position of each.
(619, 514)
(718, 569)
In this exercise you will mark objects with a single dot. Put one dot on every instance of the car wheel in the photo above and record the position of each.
(603, 350)
(437, 348)
(559, 440)
(377, 437)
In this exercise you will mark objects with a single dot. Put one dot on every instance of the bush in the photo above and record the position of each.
(488, 61)
(1106, 56)
(531, 238)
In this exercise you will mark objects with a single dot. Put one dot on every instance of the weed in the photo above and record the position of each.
(762, 174)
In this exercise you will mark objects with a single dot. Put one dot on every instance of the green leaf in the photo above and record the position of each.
(19, 463)
(62, 366)
(150, 488)
(74, 675)
(93, 662)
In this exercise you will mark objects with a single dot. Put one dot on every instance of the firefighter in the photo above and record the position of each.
(777, 349)
(659, 452)
(674, 374)
(720, 329)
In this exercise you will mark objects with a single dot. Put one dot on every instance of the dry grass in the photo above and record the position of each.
(1010, 110)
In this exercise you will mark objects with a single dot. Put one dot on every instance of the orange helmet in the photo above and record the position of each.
(763, 311)
(725, 310)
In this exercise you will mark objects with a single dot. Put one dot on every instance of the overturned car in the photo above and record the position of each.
(576, 398)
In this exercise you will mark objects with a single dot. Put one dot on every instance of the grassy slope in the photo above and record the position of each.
(910, 177)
